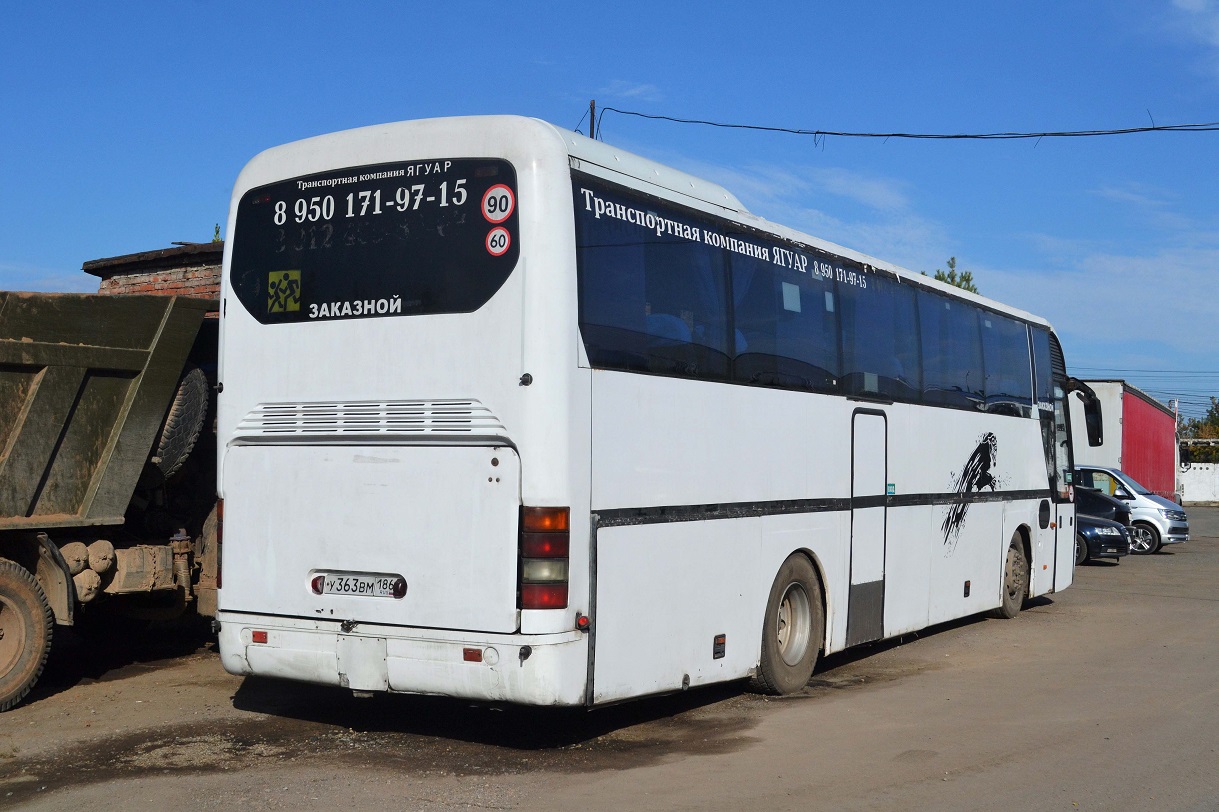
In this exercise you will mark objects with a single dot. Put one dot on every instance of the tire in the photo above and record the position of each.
(1144, 539)
(25, 632)
(183, 422)
(792, 630)
(1015, 589)
(1081, 549)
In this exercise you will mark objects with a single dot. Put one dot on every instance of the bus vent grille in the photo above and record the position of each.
(410, 417)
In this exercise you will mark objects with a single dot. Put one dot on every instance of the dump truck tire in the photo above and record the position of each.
(25, 632)
(183, 422)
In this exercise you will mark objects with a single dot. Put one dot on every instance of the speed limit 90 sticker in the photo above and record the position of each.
(498, 203)
(498, 241)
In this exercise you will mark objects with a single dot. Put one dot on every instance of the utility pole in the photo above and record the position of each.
(592, 119)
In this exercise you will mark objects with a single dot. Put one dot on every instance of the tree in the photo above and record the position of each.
(1201, 428)
(964, 281)
(1205, 427)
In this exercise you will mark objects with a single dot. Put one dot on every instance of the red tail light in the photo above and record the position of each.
(545, 544)
(543, 596)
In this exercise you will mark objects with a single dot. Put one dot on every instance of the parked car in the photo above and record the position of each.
(1101, 505)
(1155, 521)
(1099, 538)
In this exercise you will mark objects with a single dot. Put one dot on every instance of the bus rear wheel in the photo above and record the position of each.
(25, 632)
(1015, 580)
(792, 630)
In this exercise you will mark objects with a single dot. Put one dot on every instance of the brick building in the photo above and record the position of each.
(185, 270)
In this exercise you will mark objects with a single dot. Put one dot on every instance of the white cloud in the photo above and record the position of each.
(883, 225)
(18, 276)
(1200, 20)
(620, 89)
(1125, 305)
(1133, 193)
(1148, 206)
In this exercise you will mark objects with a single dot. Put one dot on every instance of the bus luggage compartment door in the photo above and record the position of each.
(869, 515)
(443, 518)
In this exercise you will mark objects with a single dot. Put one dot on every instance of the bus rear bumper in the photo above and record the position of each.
(543, 669)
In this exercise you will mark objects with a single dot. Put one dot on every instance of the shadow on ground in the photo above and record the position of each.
(104, 647)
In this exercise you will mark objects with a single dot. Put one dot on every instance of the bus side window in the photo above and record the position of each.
(786, 327)
(651, 302)
(1009, 381)
(952, 352)
(880, 349)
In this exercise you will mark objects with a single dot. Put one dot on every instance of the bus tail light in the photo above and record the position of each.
(545, 544)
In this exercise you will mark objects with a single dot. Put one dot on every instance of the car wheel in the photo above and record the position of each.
(1144, 539)
(1081, 549)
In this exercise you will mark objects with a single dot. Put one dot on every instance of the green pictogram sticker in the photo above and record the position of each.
(284, 292)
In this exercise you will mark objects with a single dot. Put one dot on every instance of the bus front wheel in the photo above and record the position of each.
(1015, 580)
(792, 630)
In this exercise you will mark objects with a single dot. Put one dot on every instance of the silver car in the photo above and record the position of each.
(1154, 521)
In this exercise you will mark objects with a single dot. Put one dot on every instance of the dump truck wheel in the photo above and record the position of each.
(183, 423)
(25, 632)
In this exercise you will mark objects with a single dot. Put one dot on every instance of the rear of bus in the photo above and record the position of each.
(401, 436)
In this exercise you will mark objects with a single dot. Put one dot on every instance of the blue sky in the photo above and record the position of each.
(123, 128)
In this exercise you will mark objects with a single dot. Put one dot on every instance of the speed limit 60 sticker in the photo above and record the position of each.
(498, 241)
(498, 203)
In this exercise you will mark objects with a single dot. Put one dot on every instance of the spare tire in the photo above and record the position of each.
(183, 422)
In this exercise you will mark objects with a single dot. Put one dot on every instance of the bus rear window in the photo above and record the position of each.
(400, 239)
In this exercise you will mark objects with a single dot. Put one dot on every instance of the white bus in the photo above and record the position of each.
(512, 415)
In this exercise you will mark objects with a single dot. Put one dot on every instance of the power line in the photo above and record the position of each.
(1212, 126)
(1148, 371)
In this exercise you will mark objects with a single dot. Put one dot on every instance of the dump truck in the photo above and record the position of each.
(107, 466)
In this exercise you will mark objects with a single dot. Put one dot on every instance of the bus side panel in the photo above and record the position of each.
(670, 442)
(664, 593)
(971, 557)
(908, 557)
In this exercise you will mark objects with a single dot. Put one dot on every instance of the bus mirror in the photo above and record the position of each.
(1092, 419)
(1092, 410)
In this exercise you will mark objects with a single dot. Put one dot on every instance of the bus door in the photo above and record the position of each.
(869, 518)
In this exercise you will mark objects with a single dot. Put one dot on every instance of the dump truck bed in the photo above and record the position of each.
(85, 383)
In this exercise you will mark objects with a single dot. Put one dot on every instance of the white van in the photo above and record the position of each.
(1155, 521)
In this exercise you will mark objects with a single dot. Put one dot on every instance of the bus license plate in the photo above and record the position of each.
(373, 586)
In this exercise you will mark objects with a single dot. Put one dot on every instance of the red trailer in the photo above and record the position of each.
(1140, 436)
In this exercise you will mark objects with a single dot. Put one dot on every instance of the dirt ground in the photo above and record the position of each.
(1105, 696)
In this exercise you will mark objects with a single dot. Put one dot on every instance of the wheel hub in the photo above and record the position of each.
(12, 636)
(1140, 539)
(794, 624)
(1013, 577)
